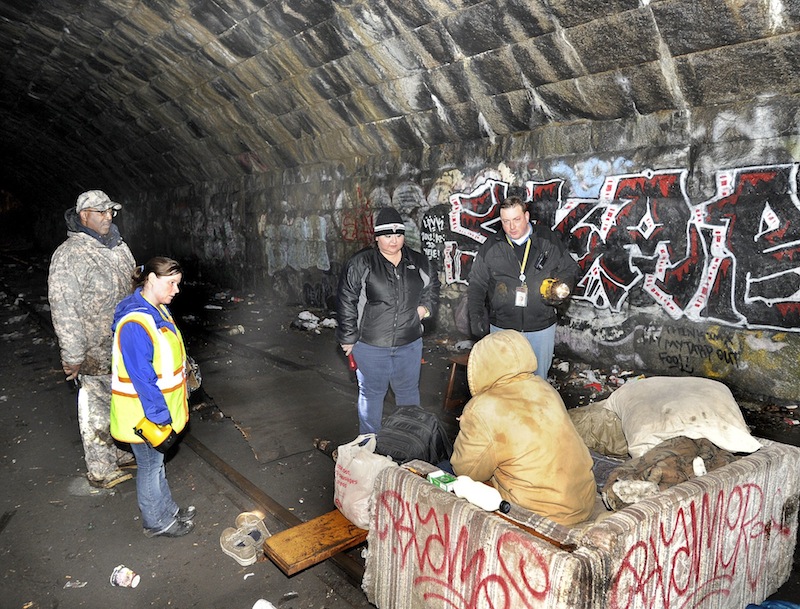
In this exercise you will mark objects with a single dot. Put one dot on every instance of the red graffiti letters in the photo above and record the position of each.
(733, 259)
(452, 567)
(699, 554)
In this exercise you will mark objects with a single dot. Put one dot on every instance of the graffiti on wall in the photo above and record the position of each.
(693, 351)
(357, 221)
(733, 259)
(296, 243)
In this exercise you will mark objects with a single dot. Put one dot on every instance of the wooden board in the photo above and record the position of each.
(311, 542)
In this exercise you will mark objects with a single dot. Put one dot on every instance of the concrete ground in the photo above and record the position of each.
(278, 388)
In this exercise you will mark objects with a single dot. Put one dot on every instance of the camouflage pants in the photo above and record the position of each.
(94, 408)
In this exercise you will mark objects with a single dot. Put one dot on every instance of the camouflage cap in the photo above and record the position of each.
(95, 199)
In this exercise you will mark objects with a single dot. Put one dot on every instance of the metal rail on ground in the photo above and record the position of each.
(350, 567)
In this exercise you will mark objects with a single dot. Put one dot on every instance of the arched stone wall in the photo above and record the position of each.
(689, 248)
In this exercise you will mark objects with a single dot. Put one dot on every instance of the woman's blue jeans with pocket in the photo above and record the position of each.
(380, 368)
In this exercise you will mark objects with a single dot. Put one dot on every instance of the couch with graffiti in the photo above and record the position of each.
(721, 540)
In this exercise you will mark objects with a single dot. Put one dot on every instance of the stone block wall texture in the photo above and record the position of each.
(253, 139)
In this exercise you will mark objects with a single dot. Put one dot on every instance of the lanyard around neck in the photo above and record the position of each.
(524, 262)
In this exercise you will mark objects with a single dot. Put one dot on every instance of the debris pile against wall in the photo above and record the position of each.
(306, 320)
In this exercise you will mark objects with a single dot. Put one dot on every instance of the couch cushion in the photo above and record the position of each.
(658, 408)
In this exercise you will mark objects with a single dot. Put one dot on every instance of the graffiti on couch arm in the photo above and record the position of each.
(451, 567)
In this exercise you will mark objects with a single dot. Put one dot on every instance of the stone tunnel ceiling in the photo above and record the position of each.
(147, 94)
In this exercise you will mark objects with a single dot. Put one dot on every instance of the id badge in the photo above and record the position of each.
(521, 296)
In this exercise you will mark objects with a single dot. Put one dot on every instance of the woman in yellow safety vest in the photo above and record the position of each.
(148, 391)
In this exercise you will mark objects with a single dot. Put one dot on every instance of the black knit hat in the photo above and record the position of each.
(389, 222)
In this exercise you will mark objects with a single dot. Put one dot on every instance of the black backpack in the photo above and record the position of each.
(413, 433)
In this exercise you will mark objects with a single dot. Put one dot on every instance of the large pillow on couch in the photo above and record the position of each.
(658, 408)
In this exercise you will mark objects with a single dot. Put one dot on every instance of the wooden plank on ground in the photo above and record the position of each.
(311, 542)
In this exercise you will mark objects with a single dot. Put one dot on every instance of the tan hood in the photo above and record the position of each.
(498, 358)
(515, 432)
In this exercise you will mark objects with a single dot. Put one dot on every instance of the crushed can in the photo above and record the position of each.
(124, 577)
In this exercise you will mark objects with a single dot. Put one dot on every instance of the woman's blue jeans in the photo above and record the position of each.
(380, 368)
(152, 491)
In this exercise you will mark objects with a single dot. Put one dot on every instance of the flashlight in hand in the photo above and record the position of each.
(554, 291)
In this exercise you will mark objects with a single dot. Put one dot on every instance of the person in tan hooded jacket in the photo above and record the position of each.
(516, 433)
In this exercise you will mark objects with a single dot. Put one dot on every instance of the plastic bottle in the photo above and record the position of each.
(482, 495)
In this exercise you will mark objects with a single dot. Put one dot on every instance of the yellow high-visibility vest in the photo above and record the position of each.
(169, 363)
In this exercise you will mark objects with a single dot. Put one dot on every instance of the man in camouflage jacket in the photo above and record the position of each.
(89, 274)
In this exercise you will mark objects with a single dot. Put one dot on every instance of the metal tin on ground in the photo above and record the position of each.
(125, 577)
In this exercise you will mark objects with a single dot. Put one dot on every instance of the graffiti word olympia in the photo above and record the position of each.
(699, 555)
(447, 570)
(733, 259)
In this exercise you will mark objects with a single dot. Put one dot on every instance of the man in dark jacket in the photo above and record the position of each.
(384, 293)
(507, 277)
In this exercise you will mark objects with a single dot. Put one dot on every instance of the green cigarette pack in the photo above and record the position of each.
(442, 479)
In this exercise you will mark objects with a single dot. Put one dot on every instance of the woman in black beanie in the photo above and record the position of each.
(385, 291)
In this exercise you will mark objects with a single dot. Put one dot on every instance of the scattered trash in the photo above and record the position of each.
(74, 583)
(791, 421)
(289, 596)
(246, 575)
(306, 320)
(464, 345)
(262, 604)
(591, 376)
(125, 577)
(307, 316)
(311, 326)
(213, 307)
(699, 467)
(236, 330)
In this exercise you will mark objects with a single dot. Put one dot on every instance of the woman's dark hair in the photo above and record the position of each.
(162, 267)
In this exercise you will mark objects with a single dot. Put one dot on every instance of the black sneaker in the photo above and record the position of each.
(178, 528)
(186, 514)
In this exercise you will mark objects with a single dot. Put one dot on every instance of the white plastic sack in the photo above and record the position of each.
(357, 466)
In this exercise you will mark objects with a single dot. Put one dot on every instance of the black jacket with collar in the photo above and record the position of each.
(377, 302)
(494, 278)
